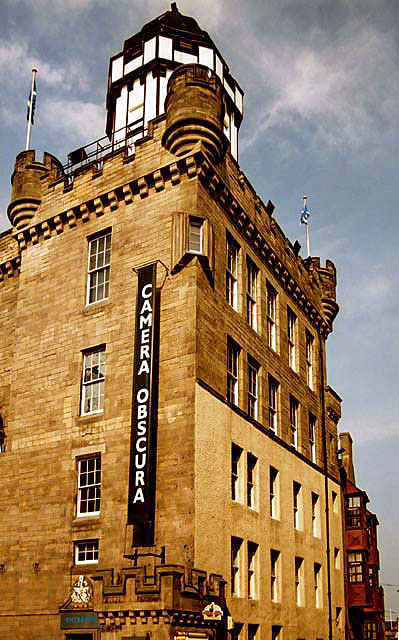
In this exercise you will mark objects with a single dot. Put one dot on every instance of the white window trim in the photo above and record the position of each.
(76, 552)
(234, 349)
(198, 223)
(87, 514)
(271, 295)
(252, 294)
(291, 335)
(254, 397)
(294, 423)
(87, 385)
(232, 275)
(104, 267)
(273, 384)
(309, 340)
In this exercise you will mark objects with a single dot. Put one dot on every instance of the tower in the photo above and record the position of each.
(138, 76)
(170, 437)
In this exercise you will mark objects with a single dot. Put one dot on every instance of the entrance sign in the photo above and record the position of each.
(141, 499)
(79, 620)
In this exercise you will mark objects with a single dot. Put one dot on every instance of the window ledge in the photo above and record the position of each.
(90, 567)
(86, 521)
(91, 417)
(95, 307)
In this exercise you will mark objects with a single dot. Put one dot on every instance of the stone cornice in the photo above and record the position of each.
(10, 268)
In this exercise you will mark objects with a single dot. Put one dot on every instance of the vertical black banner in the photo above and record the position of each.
(141, 500)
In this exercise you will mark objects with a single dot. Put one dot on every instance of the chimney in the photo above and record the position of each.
(346, 443)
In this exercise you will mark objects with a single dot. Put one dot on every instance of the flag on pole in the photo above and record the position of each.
(31, 103)
(305, 213)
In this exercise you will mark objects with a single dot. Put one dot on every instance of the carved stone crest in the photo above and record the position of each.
(212, 612)
(80, 596)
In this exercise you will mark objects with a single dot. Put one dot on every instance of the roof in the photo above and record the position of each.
(172, 22)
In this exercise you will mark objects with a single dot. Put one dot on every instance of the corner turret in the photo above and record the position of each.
(327, 278)
(27, 185)
(195, 111)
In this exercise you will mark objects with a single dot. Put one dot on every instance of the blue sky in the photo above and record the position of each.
(321, 118)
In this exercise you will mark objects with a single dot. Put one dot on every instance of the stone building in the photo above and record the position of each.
(168, 463)
(365, 595)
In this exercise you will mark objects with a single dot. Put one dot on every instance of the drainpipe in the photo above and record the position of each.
(325, 464)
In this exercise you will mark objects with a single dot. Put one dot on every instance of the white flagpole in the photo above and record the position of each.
(305, 200)
(34, 72)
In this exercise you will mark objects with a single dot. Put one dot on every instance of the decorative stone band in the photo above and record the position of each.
(9, 268)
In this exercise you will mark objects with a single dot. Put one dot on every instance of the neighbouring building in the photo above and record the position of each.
(168, 438)
(365, 596)
(391, 630)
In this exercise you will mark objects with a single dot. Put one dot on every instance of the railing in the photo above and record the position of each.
(95, 152)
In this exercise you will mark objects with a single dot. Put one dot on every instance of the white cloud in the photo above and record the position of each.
(333, 89)
(367, 293)
(76, 120)
(16, 55)
(370, 424)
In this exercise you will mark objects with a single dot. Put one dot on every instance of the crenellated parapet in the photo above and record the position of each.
(327, 278)
(150, 592)
(27, 188)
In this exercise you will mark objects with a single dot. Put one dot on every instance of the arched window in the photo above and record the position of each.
(2, 436)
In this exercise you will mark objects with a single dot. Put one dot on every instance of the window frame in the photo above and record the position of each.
(370, 630)
(356, 567)
(91, 384)
(95, 551)
(272, 399)
(236, 472)
(196, 222)
(309, 357)
(252, 294)
(3, 437)
(252, 590)
(82, 488)
(274, 575)
(317, 585)
(252, 462)
(312, 421)
(232, 255)
(298, 563)
(253, 388)
(294, 421)
(337, 558)
(297, 496)
(315, 502)
(271, 316)
(292, 338)
(92, 273)
(274, 493)
(232, 374)
(353, 512)
(235, 566)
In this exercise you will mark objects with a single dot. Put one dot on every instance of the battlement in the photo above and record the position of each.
(27, 187)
